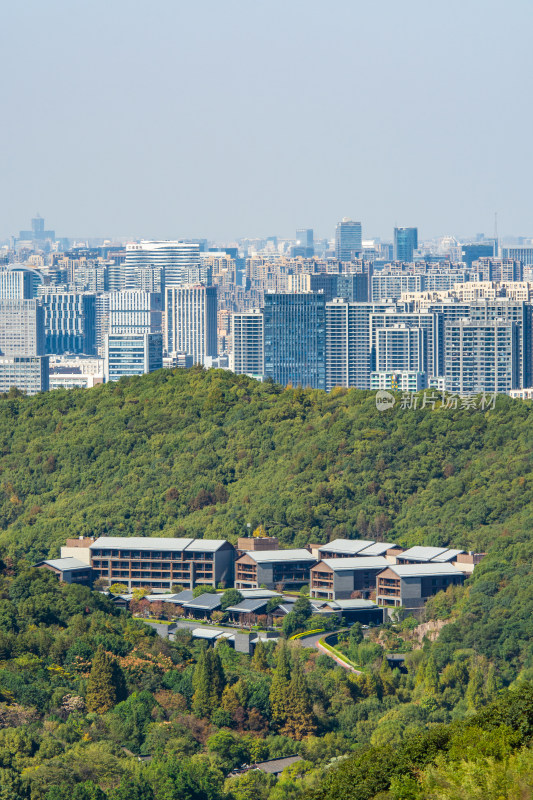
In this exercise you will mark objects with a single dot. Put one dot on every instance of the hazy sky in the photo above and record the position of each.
(227, 118)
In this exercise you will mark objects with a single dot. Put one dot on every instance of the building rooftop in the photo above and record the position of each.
(258, 593)
(268, 556)
(249, 606)
(180, 597)
(205, 545)
(208, 601)
(348, 564)
(345, 605)
(277, 765)
(449, 555)
(157, 543)
(139, 543)
(346, 546)
(424, 570)
(206, 633)
(377, 549)
(419, 553)
(64, 564)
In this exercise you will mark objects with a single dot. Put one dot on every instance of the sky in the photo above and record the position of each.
(232, 118)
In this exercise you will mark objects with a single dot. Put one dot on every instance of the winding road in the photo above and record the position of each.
(313, 640)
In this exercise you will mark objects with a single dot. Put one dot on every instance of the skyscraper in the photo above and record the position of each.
(400, 349)
(304, 245)
(247, 343)
(176, 259)
(348, 240)
(22, 360)
(405, 243)
(191, 321)
(295, 339)
(19, 283)
(128, 354)
(69, 321)
(135, 311)
(348, 342)
(481, 356)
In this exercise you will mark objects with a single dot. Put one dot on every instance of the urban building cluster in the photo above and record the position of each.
(341, 571)
(350, 312)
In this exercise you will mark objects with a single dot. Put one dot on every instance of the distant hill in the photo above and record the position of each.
(204, 453)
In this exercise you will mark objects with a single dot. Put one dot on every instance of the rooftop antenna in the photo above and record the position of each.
(496, 247)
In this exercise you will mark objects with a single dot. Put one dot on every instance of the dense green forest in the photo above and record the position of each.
(83, 686)
(95, 706)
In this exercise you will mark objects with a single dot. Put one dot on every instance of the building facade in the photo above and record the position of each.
(348, 240)
(481, 356)
(247, 354)
(159, 563)
(128, 354)
(69, 322)
(191, 321)
(273, 569)
(295, 339)
(405, 244)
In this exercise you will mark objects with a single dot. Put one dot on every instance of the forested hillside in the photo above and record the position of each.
(204, 453)
(83, 686)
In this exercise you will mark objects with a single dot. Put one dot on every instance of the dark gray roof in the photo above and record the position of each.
(277, 765)
(180, 597)
(249, 606)
(207, 601)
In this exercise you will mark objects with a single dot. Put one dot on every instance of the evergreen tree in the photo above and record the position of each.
(299, 720)
(431, 677)
(386, 677)
(493, 684)
(106, 685)
(259, 658)
(474, 690)
(279, 688)
(216, 677)
(230, 701)
(201, 700)
(208, 683)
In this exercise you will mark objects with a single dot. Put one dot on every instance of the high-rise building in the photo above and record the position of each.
(247, 343)
(22, 360)
(348, 240)
(425, 356)
(348, 342)
(481, 356)
(386, 286)
(498, 269)
(19, 283)
(405, 244)
(400, 349)
(295, 339)
(102, 321)
(37, 233)
(69, 322)
(176, 259)
(522, 253)
(135, 311)
(191, 321)
(128, 354)
(510, 311)
(475, 250)
(21, 328)
(304, 245)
